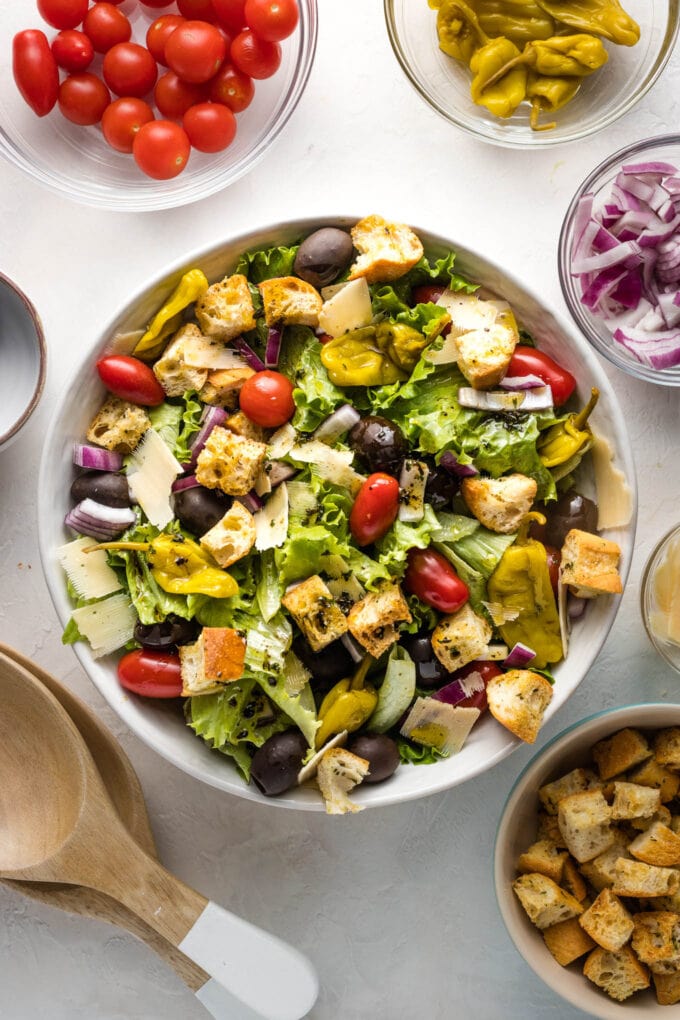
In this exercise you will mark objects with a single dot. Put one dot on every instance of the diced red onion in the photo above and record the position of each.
(211, 417)
(249, 355)
(99, 521)
(185, 482)
(273, 348)
(521, 382)
(450, 694)
(251, 501)
(651, 167)
(576, 606)
(352, 647)
(337, 423)
(95, 458)
(520, 656)
(450, 463)
(280, 472)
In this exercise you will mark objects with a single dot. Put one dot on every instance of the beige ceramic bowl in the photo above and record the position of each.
(22, 357)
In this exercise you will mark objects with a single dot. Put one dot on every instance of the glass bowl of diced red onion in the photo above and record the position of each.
(619, 259)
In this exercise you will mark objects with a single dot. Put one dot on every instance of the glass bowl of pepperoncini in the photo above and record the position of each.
(532, 74)
(660, 598)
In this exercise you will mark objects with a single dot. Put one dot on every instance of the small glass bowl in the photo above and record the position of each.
(595, 329)
(444, 83)
(76, 161)
(652, 611)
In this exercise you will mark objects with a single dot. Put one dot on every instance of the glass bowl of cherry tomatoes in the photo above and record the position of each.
(148, 104)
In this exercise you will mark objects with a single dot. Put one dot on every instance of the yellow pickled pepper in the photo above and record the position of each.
(347, 706)
(521, 21)
(568, 439)
(167, 320)
(601, 17)
(374, 355)
(180, 566)
(500, 79)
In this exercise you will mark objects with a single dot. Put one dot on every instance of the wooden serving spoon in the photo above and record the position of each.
(122, 785)
(58, 824)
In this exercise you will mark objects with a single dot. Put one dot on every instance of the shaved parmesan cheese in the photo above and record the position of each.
(308, 771)
(124, 343)
(334, 565)
(263, 483)
(412, 482)
(348, 308)
(437, 724)
(614, 498)
(89, 573)
(108, 624)
(346, 591)
(333, 465)
(295, 675)
(271, 522)
(151, 471)
(468, 312)
(281, 442)
(499, 613)
(494, 653)
(471, 684)
(446, 355)
(201, 352)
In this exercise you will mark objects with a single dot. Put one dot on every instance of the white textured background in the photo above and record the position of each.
(395, 907)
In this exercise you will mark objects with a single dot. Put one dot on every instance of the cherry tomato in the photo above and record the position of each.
(529, 361)
(232, 88)
(62, 13)
(83, 98)
(196, 51)
(156, 4)
(554, 560)
(174, 97)
(430, 577)
(158, 33)
(267, 399)
(105, 25)
(73, 50)
(487, 671)
(426, 293)
(231, 14)
(121, 121)
(35, 70)
(273, 20)
(161, 149)
(197, 10)
(375, 508)
(254, 56)
(129, 69)
(130, 379)
(210, 126)
(151, 674)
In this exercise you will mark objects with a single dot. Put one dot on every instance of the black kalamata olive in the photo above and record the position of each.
(379, 444)
(331, 664)
(163, 637)
(380, 751)
(276, 764)
(323, 256)
(105, 487)
(571, 511)
(429, 671)
(440, 488)
(199, 509)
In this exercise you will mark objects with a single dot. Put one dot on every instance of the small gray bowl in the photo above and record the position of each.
(22, 356)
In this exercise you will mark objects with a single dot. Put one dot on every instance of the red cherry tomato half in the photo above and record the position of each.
(210, 126)
(130, 379)
(196, 51)
(151, 674)
(105, 25)
(83, 98)
(121, 121)
(174, 97)
(529, 361)
(487, 671)
(254, 56)
(62, 13)
(161, 149)
(272, 20)
(375, 508)
(158, 34)
(232, 88)
(73, 50)
(35, 70)
(430, 577)
(267, 399)
(230, 14)
(129, 69)
(197, 10)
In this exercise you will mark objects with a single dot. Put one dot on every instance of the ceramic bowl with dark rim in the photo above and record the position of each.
(22, 357)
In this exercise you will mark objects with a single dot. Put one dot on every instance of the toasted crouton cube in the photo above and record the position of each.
(600, 872)
(500, 504)
(584, 820)
(386, 250)
(657, 845)
(656, 940)
(372, 620)
(572, 880)
(590, 564)
(118, 425)
(518, 699)
(635, 878)
(229, 462)
(549, 829)
(226, 308)
(241, 424)
(543, 857)
(232, 537)
(663, 815)
(649, 773)
(289, 301)
(667, 988)
(667, 747)
(619, 974)
(567, 940)
(171, 370)
(634, 801)
(621, 752)
(484, 354)
(313, 608)
(544, 901)
(460, 638)
(222, 386)
(575, 781)
(607, 921)
(338, 773)
(216, 658)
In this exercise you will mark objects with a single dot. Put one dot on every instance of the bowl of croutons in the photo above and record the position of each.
(587, 862)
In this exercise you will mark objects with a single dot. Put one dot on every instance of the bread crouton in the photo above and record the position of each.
(316, 613)
(667, 988)
(500, 504)
(171, 370)
(572, 880)
(621, 752)
(289, 301)
(232, 537)
(567, 940)
(212, 661)
(667, 748)
(386, 250)
(601, 870)
(631, 800)
(222, 386)
(607, 921)
(619, 974)
(656, 940)
(118, 425)
(517, 700)
(372, 620)
(229, 462)
(657, 845)
(339, 771)
(484, 354)
(543, 857)
(544, 901)
(549, 829)
(585, 823)
(226, 309)
(590, 564)
(460, 638)
(663, 815)
(575, 781)
(241, 424)
(635, 878)
(649, 773)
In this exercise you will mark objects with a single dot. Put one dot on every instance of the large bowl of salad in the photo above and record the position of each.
(340, 515)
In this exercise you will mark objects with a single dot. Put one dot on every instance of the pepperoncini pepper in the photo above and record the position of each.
(521, 583)
(347, 706)
(167, 320)
(500, 79)
(373, 355)
(603, 17)
(549, 94)
(458, 29)
(567, 441)
(520, 21)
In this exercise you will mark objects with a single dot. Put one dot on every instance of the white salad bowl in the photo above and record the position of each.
(159, 724)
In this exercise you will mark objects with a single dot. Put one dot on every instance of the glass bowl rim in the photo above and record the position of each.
(644, 582)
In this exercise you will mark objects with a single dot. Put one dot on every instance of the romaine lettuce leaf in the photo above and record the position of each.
(166, 418)
(440, 271)
(475, 581)
(402, 536)
(482, 549)
(190, 424)
(417, 754)
(315, 395)
(267, 263)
